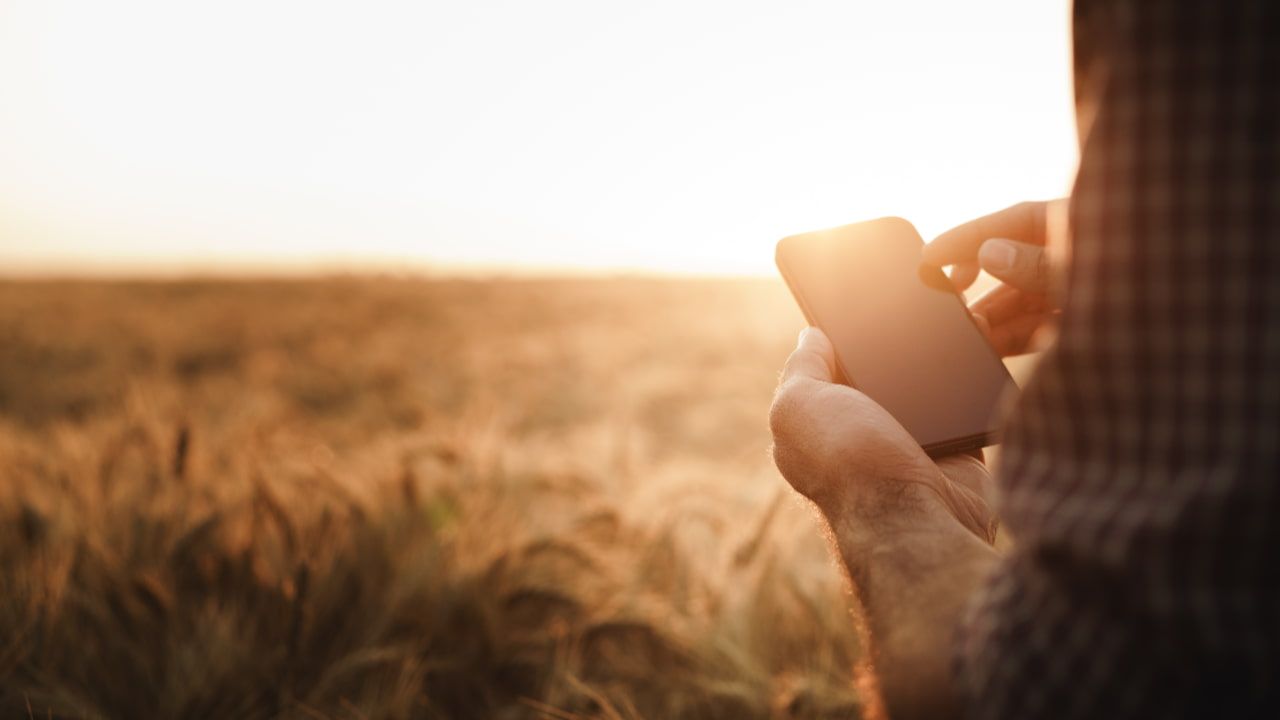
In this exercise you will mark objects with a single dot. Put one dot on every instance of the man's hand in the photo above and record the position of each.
(1010, 246)
(840, 449)
(914, 535)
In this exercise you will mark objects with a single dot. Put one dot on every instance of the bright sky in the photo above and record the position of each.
(141, 135)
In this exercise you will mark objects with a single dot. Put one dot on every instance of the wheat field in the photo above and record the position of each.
(389, 497)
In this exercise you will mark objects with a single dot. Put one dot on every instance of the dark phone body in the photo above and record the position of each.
(901, 332)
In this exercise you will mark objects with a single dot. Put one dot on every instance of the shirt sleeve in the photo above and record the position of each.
(1140, 469)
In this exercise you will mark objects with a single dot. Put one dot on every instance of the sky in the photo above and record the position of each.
(143, 136)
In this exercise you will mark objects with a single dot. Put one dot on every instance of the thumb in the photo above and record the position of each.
(813, 358)
(1025, 267)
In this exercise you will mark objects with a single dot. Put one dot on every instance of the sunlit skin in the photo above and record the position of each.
(1010, 245)
(915, 535)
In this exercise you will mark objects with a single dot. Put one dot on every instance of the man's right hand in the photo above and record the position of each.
(1009, 245)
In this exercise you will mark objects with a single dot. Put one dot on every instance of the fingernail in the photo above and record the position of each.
(998, 255)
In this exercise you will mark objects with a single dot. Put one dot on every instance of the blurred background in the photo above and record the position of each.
(672, 136)
(409, 359)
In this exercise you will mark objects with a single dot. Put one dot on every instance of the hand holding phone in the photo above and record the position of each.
(900, 331)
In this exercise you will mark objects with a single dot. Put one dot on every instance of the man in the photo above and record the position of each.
(1140, 467)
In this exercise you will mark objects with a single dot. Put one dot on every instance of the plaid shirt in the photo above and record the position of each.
(1141, 466)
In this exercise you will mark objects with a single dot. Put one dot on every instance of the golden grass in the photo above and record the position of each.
(375, 497)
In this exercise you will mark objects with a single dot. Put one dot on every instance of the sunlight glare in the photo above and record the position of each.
(667, 136)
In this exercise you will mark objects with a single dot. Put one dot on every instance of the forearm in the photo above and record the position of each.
(912, 586)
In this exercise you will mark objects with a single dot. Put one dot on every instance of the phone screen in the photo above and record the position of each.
(901, 332)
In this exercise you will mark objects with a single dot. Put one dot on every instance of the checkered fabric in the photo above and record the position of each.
(1140, 473)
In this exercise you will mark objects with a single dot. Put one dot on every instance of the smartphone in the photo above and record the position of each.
(901, 331)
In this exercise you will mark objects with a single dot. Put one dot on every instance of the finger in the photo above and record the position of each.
(981, 321)
(1005, 302)
(963, 274)
(1014, 337)
(995, 300)
(1024, 222)
(969, 472)
(813, 358)
(1019, 264)
(797, 418)
(971, 495)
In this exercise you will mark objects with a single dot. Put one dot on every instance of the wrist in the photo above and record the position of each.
(910, 589)
(911, 539)
(909, 554)
(877, 515)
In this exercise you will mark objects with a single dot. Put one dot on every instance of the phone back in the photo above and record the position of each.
(901, 332)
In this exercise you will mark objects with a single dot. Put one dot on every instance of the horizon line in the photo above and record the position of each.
(318, 269)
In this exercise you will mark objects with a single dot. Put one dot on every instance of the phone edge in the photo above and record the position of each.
(844, 378)
(959, 445)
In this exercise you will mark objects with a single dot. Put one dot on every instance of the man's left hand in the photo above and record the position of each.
(848, 455)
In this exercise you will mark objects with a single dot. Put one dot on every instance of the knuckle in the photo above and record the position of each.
(783, 460)
(1020, 212)
(778, 413)
(1029, 208)
(783, 410)
(1041, 269)
(1031, 216)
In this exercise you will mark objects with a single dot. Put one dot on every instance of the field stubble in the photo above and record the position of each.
(382, 497)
